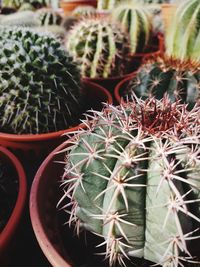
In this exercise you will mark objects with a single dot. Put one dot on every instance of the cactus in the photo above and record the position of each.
(58, 31)
(40, 83)
(24, 18)
(181, 81)
(107, 4)
(100, 46)
(84, 11)
(182, 38)
(25, 7)
(46, 17)
(136, 20)
(132, 177)
(18, 3)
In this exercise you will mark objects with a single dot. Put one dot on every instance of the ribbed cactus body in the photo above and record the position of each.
(166, 76)
(182, 39)
(40, 83)
(133, 178)
(84, 11)
(99, 46)
(24, 19)
(48, 17)
(136, 20)
(107, 4)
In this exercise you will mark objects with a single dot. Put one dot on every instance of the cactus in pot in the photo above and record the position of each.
(132, 177)
(101, 47)
(162, 75)
(136, 20)
(46, 16)
(40, 83)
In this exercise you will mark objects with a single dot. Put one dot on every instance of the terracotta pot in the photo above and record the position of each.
(39, 145)
(69, 5)
(9, 232)
(168, 11)
(120, 87)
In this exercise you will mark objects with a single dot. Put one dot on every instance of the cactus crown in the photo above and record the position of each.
(40, 83)
(46, 17)
(136, 20)
(182, 39)
(133, 178)
(100, 46)
(84, 11)
(107, 4)
(180, 80)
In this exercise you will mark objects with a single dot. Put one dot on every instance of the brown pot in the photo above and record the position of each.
(8, 234)
(120, 87)
(69, 5)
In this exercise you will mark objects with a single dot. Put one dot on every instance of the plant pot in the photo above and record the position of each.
(120, 87)
(69, 5)
(168, 11)
(7, 236)
(38, 146)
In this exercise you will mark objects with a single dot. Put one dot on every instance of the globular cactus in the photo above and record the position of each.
(101, 47)
(39, 83)
(132, 177)
(24, 18)
(58, 31)
(157, 77)
(107, 4)
(18, 3)
(136, 20)
(182, 38)
(84, 11)
(46, 17)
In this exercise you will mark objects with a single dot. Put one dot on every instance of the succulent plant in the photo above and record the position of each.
(18, 3)
(24, 18)
(132, 177)
(26, 6)
(182, 38)
(40, 83)
(137, 22)
(46, 16)
(107, 4)
(58, 31)
(84, 11)
(157, 77)
(101, 47)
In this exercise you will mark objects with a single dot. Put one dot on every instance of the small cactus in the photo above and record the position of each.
(107, 4)
(136, 20)
(39, 83)
(84, 11)
(132, 177)
(101, 47)
(46, 17)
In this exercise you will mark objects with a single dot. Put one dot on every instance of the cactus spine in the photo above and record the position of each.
(157, 77)
(100, 46)
(84, 11)
(136, 20)
(182, 40)
(40, 83)
(133, 178)
(24, 18)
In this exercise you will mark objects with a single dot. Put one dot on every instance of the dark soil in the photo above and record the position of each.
(8, 192)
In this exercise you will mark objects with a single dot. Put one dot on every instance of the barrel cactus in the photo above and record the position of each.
(160, 76)
(107, 4)
(182, 39)
(101, 47)
(24, 18)
(137, 21)
(84, 11)
(133, 178)
(46, 17)
(40, 83)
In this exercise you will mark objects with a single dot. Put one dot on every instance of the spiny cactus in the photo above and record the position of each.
(39, 83)
(107, 4)
(180, 80)
(101, 47)
(18, 3)
(132, 177)
(182, 39)
(46, 17)
(24, 18)
(58, 31)
(84, 11)
(136, 20)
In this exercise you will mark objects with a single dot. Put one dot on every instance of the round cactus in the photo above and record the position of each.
(84, 11)
(182, 39)
(40, 83)
(180, 80)
(101, 47)
(136, 20)
(24, 19)
(132, 177)
(107, 4)
(46, 17)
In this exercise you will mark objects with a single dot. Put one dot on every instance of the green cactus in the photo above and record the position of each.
(137, 21)
(84, 11)
(181, 81)
(18, 3)
(24, 18)
(183, 37)
(107, 4)
(133, 178)
(40, 83)
(46, 17)
(58, 31)
(101, 47)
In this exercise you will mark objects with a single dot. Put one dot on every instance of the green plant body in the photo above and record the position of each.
(180, 80)
(40, 83)
(101, 47)
(132, 177)
(47, 17)
(84, 11)
(107, 4)
(136, 20)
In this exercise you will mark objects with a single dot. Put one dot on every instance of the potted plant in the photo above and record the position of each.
(134, 161)
(41, 94)
(69, 5)
(12, 201)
